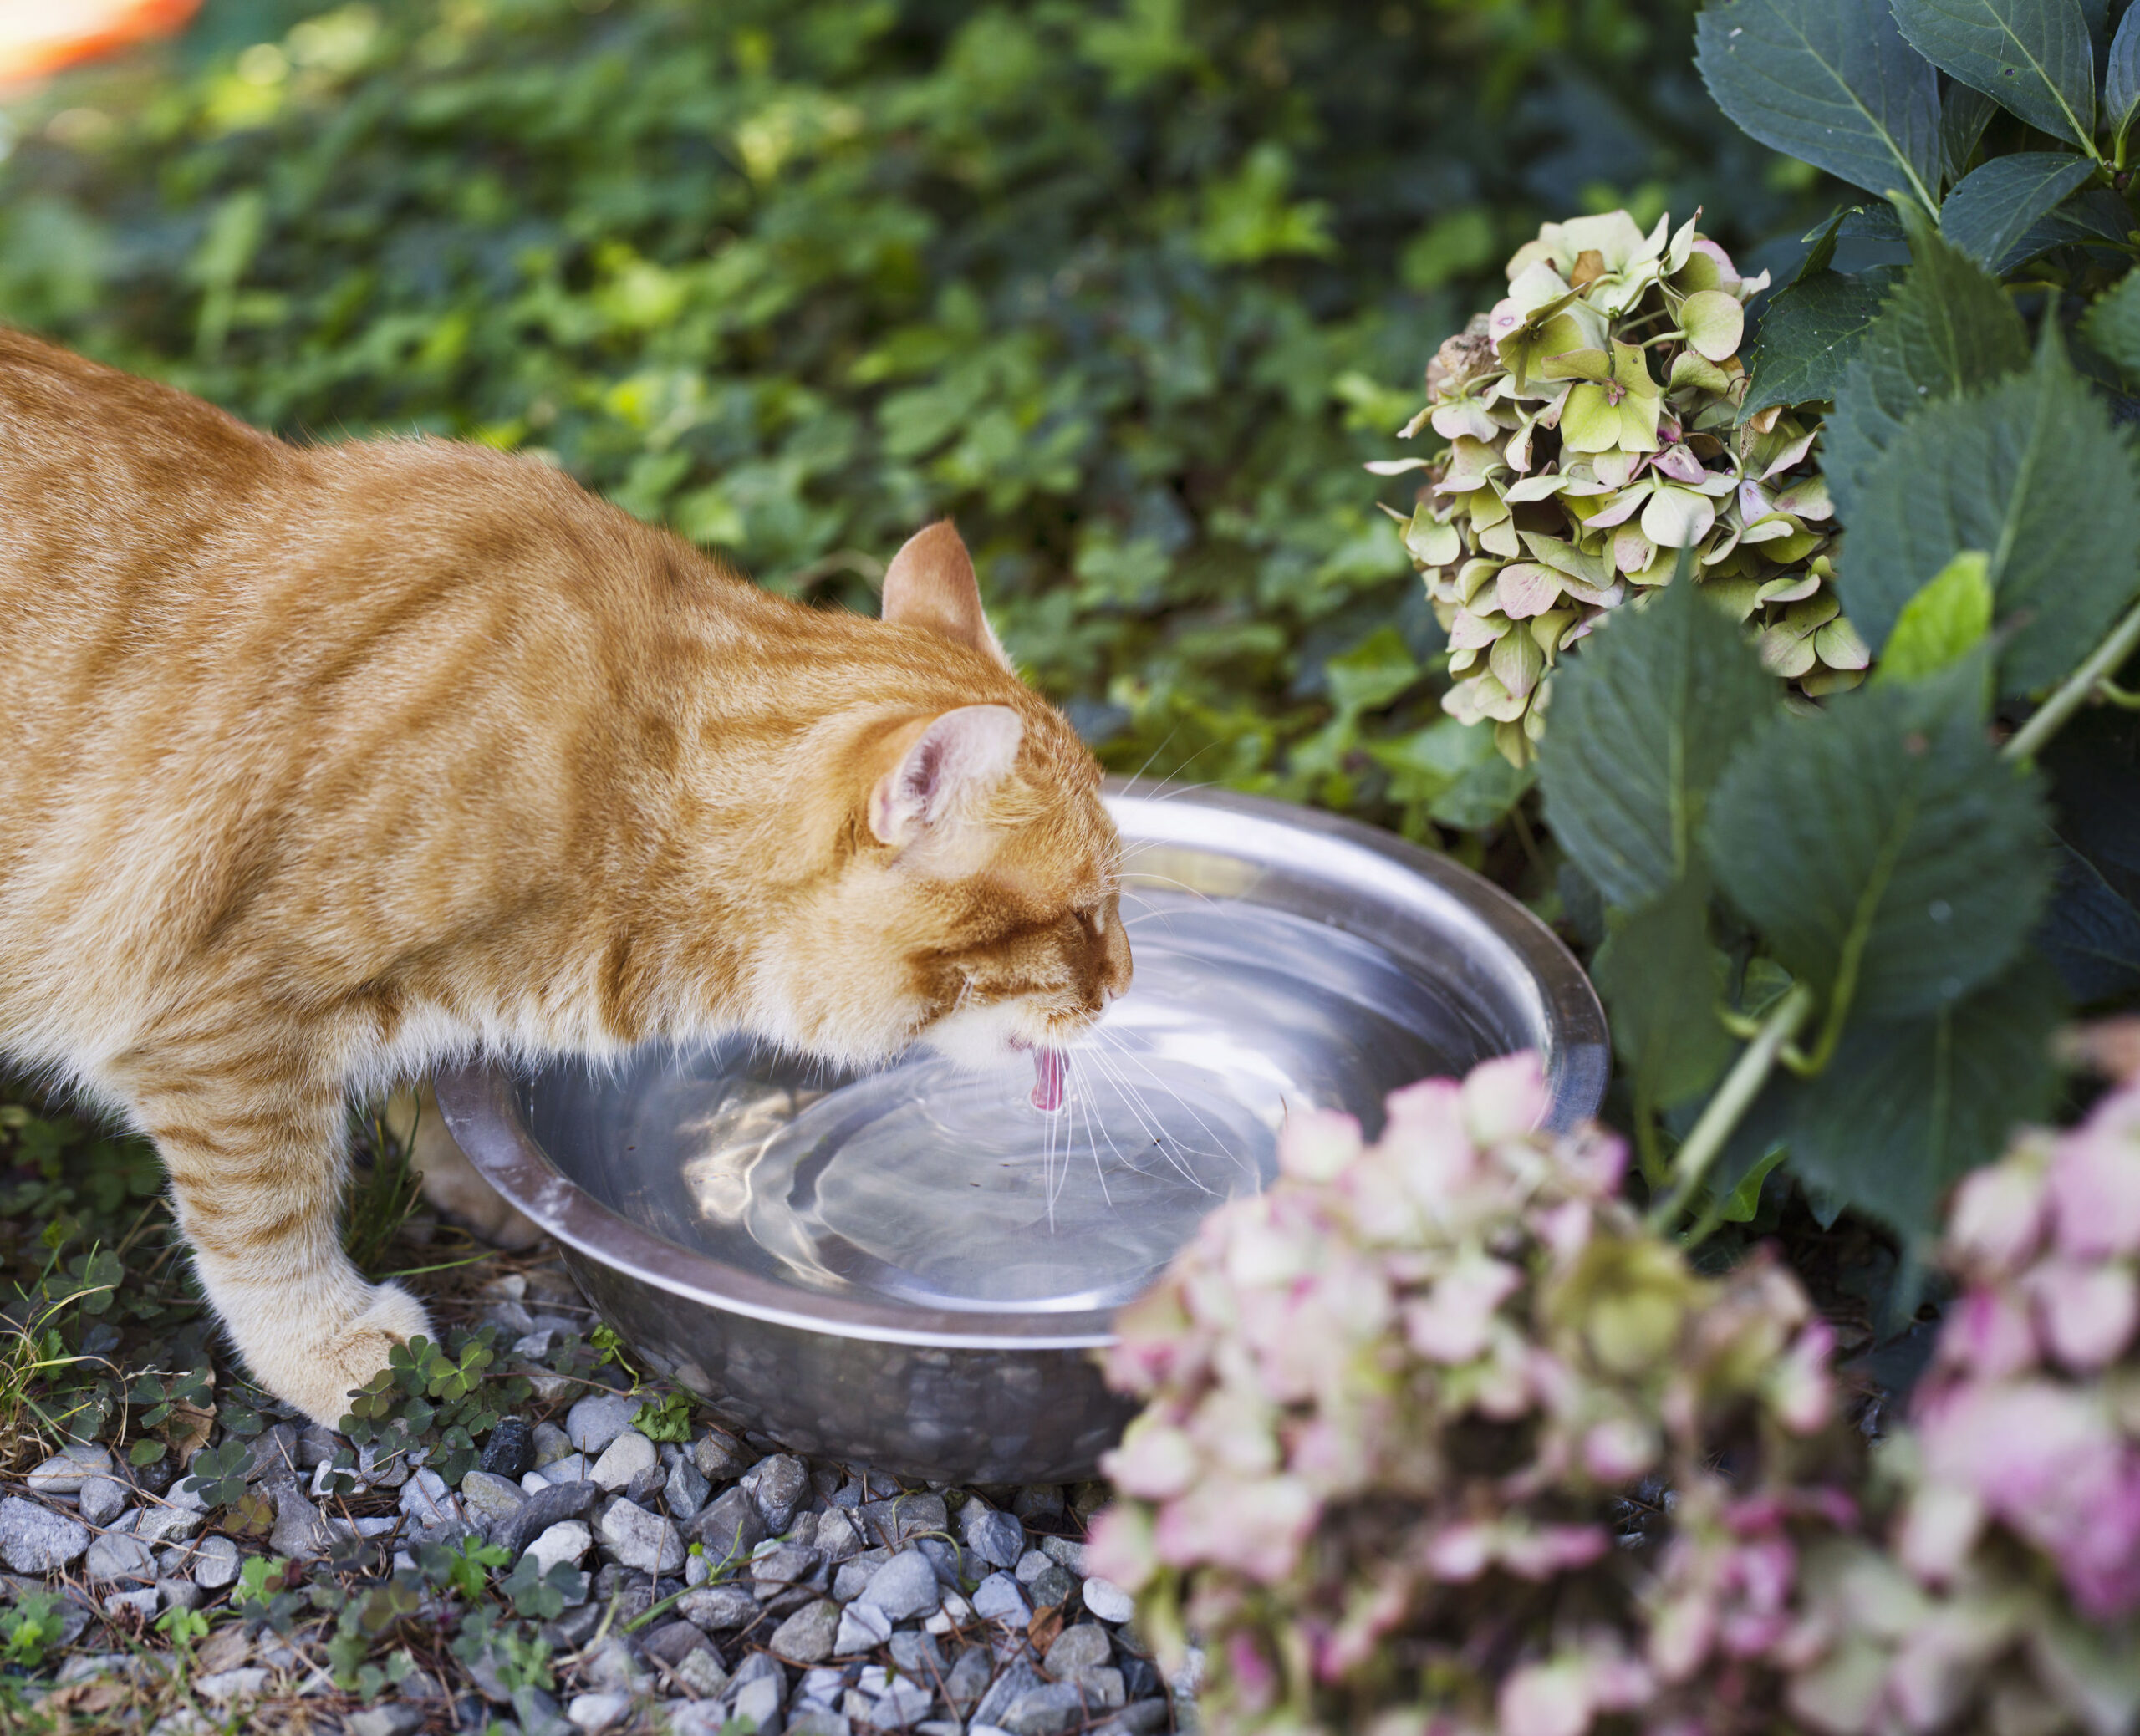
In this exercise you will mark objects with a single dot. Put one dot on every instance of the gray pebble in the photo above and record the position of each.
(177, 1594)
(510, 1452)
(226, 1687)
(917, 1655)
(784, 1567)
(596, 1712)
(855, 1573)
(720, 1457)
(1053, 1587)
(1049, 1710)
(997, 1538)
(672, 1641)
(819, 1722)
(1065, 1552)
(807, 1636)
(969, 1678)
(718, 1608)
(552, 1443)
(117, 1556)
(33, 1539)
(837, 1536)
(166, 1524)
(141, 1602)
(701, 1673)
(686, 1490)
(895, 1520)
(756, 1702)
(572, 1468)
(1032, 1566)
(905, 1586)
(103, 1499)
(599, 1420)
(862, 1628)
(66, 1471)
(1084, 1647)
(779, 1485)
(1020, 1679)
(567, 1540)
(902, 1702)
(552, 1505)
(273, 1459)
(646, 1485)
(640, 1539)
(489, 1498)
(1101, 1686)
(623, 1459)
(1108, 1600)
(215, 1564)
(301, 1531)
(730, 1527)
(391, 1718)
(1139, 1718)
(1040, 1501)
(997, 1598)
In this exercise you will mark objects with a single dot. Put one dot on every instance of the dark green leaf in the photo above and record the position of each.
(2113, 324)
(1658, 974)
(1483, 796)
(1963, 113)
(2032, 55)
(1820, 245)
(1644, 721)
(1831, 81)
(1949, 327)
(1989, 215)
(1889, 857)
(1745, 1199)
(2122, 77)
(1809, 334)
(2092, 931)
(2032, 471)
(2094, 215)
(1907, 1106)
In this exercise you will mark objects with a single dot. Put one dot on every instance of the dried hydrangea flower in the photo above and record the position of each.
(1593, 432)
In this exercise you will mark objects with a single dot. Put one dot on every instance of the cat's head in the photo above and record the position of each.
(975, 907)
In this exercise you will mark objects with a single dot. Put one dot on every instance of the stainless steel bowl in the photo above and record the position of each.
(838, 1343)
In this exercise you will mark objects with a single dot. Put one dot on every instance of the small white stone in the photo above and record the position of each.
(595, 1713)
(623, 1459)
(216, 1564)
(567, 1540)
(64, 1473)
(1108, 1601)
(103, 1499)
(1031, 1566)
(862, 1628)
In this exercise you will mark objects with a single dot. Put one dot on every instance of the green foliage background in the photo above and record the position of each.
(1131, 289)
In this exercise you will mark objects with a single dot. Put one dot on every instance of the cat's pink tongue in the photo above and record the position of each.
(1048, 1079)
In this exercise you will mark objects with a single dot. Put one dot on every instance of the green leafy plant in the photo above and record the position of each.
(666, 1418)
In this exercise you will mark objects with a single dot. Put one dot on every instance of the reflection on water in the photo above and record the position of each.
(934, 1186)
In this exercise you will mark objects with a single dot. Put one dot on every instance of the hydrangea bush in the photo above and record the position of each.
(1441, 1438)
(1392, 1401)
(1594, 432)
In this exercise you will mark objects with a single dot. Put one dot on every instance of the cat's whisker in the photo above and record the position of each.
(1222, 1154)
(1169, 1147)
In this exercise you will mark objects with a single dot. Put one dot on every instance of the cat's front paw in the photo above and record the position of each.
(320, 1386)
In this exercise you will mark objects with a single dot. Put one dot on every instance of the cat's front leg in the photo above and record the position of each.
(256, 1159)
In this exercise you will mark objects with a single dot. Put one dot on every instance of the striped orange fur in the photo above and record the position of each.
(320, 764)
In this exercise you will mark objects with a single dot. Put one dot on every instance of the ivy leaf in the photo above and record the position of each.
(2121, 79)
(1907, 892)
(2032, 470)
(2033, 56)
(1947, 328)
(1991, 214)
(1829, 81)
(1643, 724)
(1656, 975)
(1809, 334)
(1907, 1106)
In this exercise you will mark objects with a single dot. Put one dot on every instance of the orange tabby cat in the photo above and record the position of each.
(320, 764)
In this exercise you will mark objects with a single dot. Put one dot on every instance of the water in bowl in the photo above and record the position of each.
(950, 1189)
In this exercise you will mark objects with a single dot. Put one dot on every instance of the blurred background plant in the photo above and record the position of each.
(1131, 290)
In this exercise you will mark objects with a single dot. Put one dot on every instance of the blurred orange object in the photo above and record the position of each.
(42, 36)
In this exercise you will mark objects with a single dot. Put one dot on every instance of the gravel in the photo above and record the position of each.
(1108, 1601)
(33, 1539)
(596, 1421)
(569, 1541)
(640, 1539)
(623, 1459)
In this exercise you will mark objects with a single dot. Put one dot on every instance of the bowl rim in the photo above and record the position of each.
(476, 1097)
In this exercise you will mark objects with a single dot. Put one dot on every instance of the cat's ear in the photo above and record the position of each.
(955, 762)
(931, 584)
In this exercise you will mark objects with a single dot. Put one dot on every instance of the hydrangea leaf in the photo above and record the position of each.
(1945, 621)
(1990, 215)
(1830, 81)
(1904, 897)
(1644, 721)
(1809, 334)
(1909, 1105)
(1947, 327)
(2092, 932)
(2113, 323)
(2032, 56)
(2121, 78)
(1963, 113)
(1658, 974)
(2031, 470)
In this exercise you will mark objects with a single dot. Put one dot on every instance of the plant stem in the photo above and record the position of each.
(1734, 1098)
(2051, 715)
